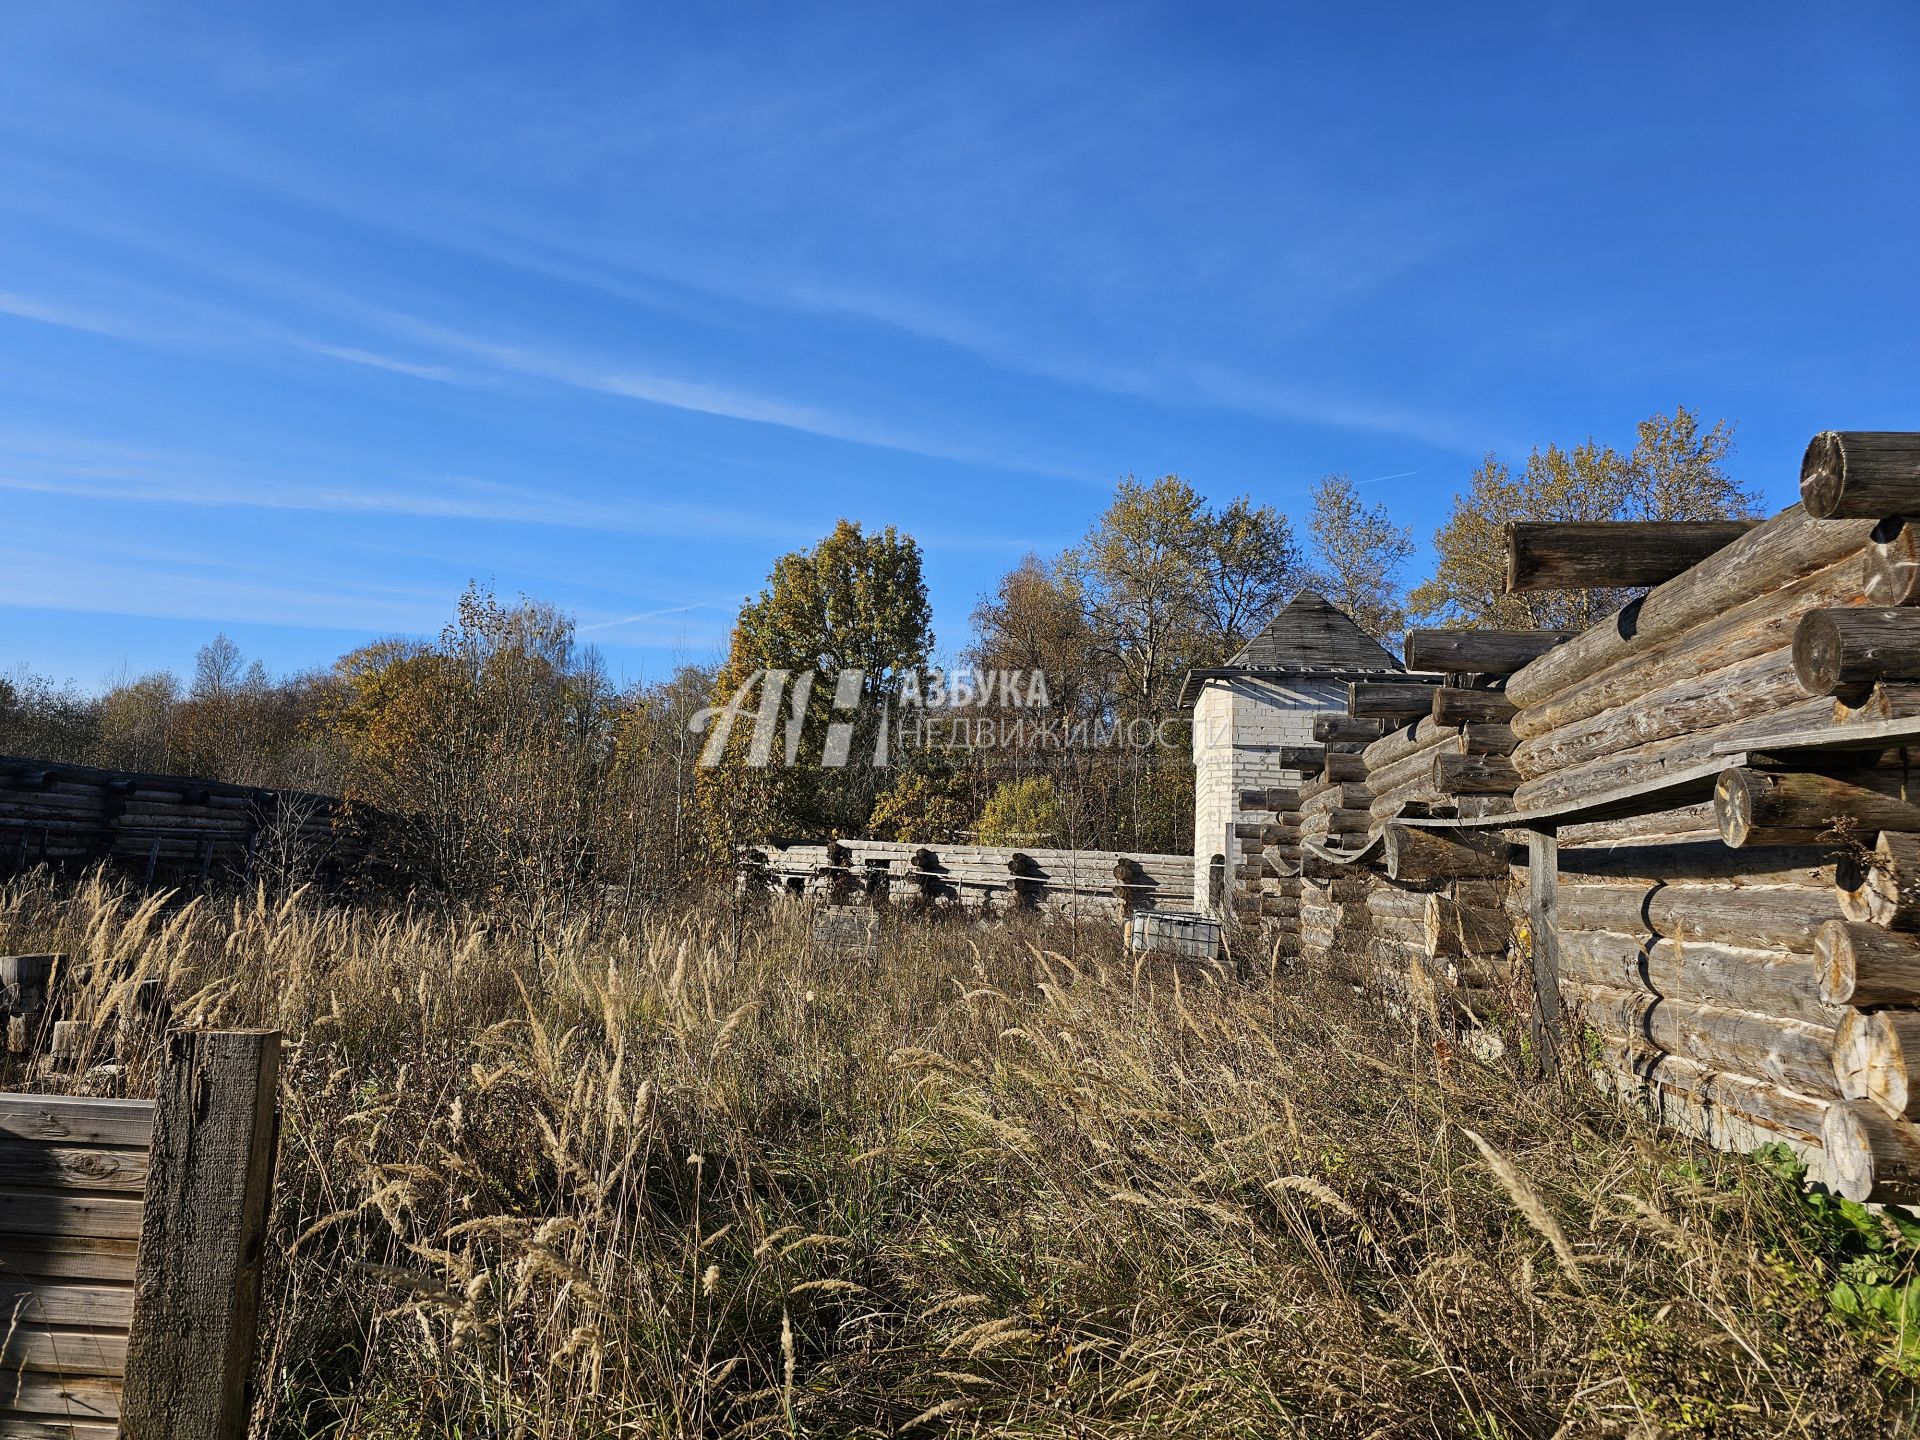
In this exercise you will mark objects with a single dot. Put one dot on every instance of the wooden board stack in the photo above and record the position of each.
(167, 827)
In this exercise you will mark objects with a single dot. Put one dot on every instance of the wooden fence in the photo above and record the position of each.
(131, 1238)
(975, 877)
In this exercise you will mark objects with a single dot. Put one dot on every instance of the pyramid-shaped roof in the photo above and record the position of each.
(1311, 631)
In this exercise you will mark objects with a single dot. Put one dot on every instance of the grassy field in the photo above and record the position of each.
(694, 1179)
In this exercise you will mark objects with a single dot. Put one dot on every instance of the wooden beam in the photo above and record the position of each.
(1754, 806)
(1453, 705)
(1611, 554)
(1861, 474)
(1393, 699)
(1844, 651)
(197, 1288)
(1543, 942)
(1333, 729)
(1483, 652)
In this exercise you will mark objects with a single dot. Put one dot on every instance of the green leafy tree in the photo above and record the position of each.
(1675, 471)
(1024, 812)
(855, 601)
(1168, 584)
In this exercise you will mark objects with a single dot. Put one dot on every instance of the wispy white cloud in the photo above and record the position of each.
(90, 470)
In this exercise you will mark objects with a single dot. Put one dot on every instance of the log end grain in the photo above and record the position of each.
(1818, 652)
(1823, 475)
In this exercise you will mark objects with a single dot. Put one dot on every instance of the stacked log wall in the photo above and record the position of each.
(170, 828)
(1744, 956)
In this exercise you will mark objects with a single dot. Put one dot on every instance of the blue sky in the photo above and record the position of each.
(308, 314)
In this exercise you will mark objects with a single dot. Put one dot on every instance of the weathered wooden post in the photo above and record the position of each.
(26, 984)
(202, 1236)
(1543, 940)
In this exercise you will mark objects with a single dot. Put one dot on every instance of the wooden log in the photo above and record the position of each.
(1454, 706)
(202, 1236)
(1399, 765)
(1279, 799)
(1487, 739)
(1421, 856)
(1682, 820)
(1345, 767)
(1392, 699)
(1449, 928)
(1329, 729)
(1845, 651)
(1754, 806)
(1896, 701)
(1760, 626)
(1683, 863)
(1758, 686)
(1870, 1155)
(1784, 1052)
(1893, 562)
(1700, 972)
(1864, 474)
(1484, 652)
(1782, 550)
(1876, 1056)
(1864, 966)
(1661, 758)
(1611, 554)
(1763, 917)
(1402, 904)
(1708, 1098)
(1301, 757)
(1456, 774)
(1323, 796)
(1885, 888)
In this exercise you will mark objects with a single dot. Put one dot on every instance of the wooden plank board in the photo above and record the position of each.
(40, 1427)
(30, 1163)
(33, 1349)
(67, 1257)
(77, 1120)
(52, 1212)
(95, 1307)
(73, 1397)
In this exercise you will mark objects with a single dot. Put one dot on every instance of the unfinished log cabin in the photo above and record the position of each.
(1253, 737)
(1704, 814)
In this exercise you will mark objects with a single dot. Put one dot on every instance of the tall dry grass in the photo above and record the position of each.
(693, 1178)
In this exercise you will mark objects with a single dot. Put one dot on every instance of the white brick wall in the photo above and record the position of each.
(1239, 724)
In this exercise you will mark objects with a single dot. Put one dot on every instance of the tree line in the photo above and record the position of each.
(538, 781)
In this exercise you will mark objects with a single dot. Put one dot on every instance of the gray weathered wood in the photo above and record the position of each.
(1333, 729)
(1751, 570)
(1395, 699)
(1454, 705)
(77, 1120)
(197, 1289)
(1844, 651)
(1543, 938)
(1863, 965)
(1756, 806)
(1862, 474)
(1870, 1155)
(1483, 652)
(1611, 554)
